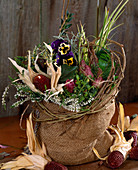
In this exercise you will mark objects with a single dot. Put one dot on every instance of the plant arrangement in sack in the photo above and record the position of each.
(71, 72)
(73, 83)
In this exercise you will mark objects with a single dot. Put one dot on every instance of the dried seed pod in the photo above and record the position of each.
(134, 153)
(54, 165)
(129, 134)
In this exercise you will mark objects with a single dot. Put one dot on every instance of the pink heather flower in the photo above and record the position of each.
(98, 82)
(70, 86)
(86, 68)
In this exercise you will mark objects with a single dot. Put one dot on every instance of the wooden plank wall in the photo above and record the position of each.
(24, 23)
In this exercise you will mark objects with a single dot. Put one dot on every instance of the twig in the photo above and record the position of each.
(65, 18)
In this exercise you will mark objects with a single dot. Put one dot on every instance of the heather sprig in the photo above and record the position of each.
(5, 93)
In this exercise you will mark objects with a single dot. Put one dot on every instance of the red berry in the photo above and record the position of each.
(134, 153)
(54, 166)
(40, 81)
(115, 159)
(129, 134)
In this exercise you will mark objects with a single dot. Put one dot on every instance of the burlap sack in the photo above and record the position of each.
(70, 142)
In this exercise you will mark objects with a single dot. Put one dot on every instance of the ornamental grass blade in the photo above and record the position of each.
(109, 21)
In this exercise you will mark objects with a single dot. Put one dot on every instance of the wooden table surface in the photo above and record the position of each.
(12, 135)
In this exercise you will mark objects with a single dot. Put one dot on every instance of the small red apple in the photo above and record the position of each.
(40, 81)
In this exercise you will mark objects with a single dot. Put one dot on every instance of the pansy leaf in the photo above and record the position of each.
(67, 72)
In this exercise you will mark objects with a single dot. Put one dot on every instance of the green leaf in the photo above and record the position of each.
(81, 98)
(61, 22)
(109, 21)
(104, 62)
(68, 72)
(68, 26)
(69, 19)
(67, 13)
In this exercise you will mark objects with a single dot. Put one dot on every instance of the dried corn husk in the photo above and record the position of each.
(27, 75)
(120, 143)
(37, 160)
(125, 124)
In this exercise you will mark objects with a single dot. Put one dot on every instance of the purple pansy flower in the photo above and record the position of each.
(55, 44)
(63, 52)
(65, 59)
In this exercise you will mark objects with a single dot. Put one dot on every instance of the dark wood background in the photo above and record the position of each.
(25, 23)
